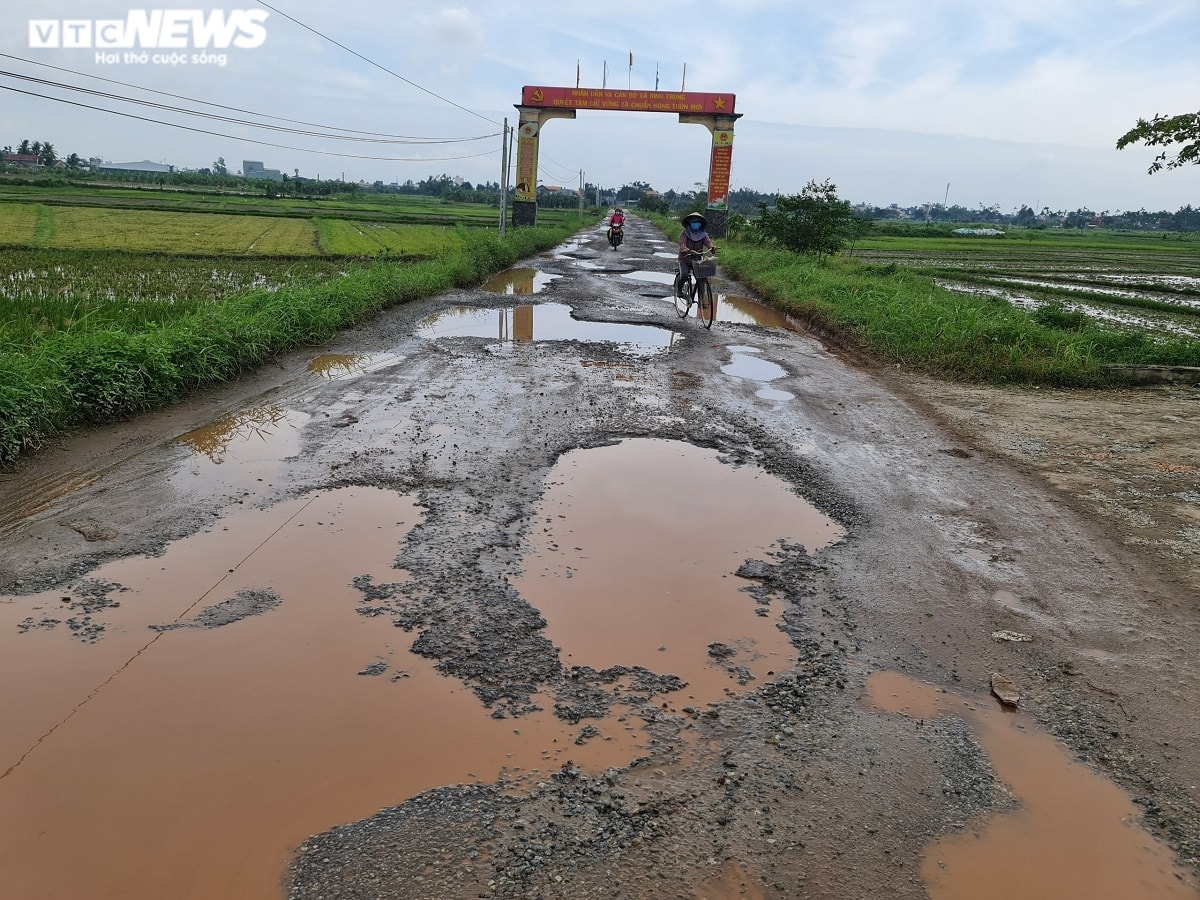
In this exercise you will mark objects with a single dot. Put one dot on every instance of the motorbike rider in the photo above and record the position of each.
(692, 239)
(616, 220)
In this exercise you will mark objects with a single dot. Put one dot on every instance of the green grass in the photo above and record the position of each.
(897, 314)
(64, 366)
(344, 237)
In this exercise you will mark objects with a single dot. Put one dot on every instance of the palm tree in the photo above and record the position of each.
(24, 149)
(36, 149)
(74, 161)
(48, 157)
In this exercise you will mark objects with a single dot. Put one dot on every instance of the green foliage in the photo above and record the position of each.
(650, 203)
(1055, 315)
(1167, 131)
(814, 221)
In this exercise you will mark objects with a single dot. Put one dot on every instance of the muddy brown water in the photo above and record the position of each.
(632, 563)
(1074, 836)
(541, 322)
(178, 753)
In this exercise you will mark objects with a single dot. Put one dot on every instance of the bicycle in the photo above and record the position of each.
(695, 288)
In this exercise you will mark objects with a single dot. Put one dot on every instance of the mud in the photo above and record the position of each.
(959, 516)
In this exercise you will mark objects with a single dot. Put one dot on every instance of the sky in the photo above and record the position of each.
(1000, 103)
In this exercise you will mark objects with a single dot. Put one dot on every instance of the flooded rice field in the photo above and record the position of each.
(1156, 292)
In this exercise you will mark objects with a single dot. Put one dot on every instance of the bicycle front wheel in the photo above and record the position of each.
(683, 298)
(706, 304)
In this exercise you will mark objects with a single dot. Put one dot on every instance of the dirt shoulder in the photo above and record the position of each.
(1127, 459)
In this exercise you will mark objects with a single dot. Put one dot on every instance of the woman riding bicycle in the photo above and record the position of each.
(693, 240)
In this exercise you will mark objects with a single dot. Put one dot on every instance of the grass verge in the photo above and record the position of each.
(89, 375)
(899, 316)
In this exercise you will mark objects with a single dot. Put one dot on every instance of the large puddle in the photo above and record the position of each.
(518, 281)
(182, 721)
(543, 322)
(744, 362)
(633, 562)
(1075, 836)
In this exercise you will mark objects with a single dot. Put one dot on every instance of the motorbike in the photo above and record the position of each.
(616, 234)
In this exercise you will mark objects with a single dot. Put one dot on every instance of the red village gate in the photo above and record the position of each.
(540, 104)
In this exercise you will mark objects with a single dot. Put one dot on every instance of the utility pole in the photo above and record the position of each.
(503, 177)
(581, 195)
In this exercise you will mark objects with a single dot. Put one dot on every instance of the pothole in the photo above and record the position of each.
(518, 281)
(1074, 836)
(541, 322)
(633, 560)
(744, 363)
(264, 705)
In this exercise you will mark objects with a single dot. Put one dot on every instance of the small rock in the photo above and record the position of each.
(1010, 636)
(1004, 690)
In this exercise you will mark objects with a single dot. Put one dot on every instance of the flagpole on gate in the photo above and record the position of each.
(604, 79)
(629, 74)
(656, 76)
(683, 87)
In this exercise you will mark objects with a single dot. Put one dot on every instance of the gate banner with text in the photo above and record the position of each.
(635, 101)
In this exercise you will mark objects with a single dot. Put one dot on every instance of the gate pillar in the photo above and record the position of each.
(721, 129)
(529, 129)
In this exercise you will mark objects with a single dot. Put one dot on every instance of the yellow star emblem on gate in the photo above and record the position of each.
(719, 103)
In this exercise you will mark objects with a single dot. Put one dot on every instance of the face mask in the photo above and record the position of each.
(695, 226)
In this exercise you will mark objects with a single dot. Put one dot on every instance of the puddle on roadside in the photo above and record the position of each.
(744, 311)
(264, 432)
(337, 366)
(186, 762)
(518, 281)
(1076, 834)
(744, 364)
(242, 450)
(543, 322)
(632, 559)
(667, 278)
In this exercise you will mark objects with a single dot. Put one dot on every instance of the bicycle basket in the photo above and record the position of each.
(704, 269)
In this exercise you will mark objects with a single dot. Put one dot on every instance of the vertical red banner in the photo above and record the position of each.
(527, 147)
(718, 170)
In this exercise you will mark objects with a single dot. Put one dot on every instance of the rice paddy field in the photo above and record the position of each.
(1141, 282)
(114, 301)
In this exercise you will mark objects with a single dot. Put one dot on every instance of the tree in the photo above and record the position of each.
(74, 161)
(1165, 131)
(219, 166)
(814, 221)
(24, 149)
(48, 155)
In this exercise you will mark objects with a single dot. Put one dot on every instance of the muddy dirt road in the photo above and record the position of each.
(561, 596)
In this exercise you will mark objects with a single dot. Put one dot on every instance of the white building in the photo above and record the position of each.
(254, 169)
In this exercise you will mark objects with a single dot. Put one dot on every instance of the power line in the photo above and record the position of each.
(233, 121)
(244, 139)
(378, 65)
(251, 112)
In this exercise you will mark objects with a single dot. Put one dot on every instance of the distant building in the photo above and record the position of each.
(252, 168)
(28, 160)
(144, 166)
